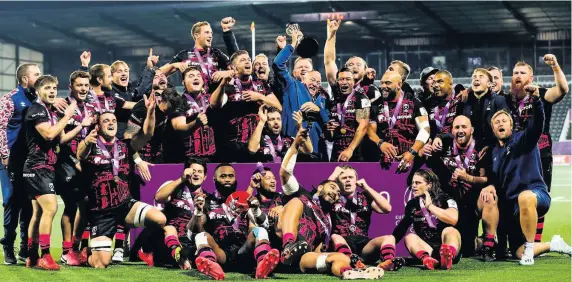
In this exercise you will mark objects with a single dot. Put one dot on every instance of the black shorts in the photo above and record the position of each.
(39, 182)
(357, 243)
(104, 223)
(67, 184)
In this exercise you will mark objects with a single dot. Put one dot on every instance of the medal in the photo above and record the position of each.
(114, 160)
(341, 110)
(343, 131)
(352, 228)
(57, 149)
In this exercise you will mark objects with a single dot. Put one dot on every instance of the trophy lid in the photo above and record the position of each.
(308, 47)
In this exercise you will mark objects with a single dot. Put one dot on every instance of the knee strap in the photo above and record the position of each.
(101, 246)
(201, 240)
(139, 220)
(321, 264)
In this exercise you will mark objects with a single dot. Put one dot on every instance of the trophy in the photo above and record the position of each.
(307, 46)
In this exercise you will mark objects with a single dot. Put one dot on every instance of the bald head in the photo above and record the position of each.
(390, 85)
(462, 130)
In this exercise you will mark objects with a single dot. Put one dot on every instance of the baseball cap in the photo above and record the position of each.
(426, 73)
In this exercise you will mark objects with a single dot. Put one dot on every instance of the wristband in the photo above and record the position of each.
(138, 160)
(413, 152)
(379, 142)
(197, 213)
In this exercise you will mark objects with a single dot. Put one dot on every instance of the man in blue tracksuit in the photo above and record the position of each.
(516, 165)
(302, 96)
(13, 106)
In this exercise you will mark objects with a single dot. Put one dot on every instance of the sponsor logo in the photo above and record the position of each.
(561, 159)
(51, 186)
(29, 175)
(94, 231)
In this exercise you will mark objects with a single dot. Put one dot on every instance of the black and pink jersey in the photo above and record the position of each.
(82, 111)
(179, 210)
(343, 111)
(425, 225)
(451, 157)
(242, 116)
(273, 148)
(396, 121)
(42, 153)
(153, 150)
(522, 114)
(210, 61)
(442, 113)
(223, 224)
(106, 103)
(315, 226)
(200, 141)
(106, 190)
(352, 215)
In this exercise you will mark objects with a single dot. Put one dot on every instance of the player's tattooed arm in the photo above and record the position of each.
(132, 130)
(362, 116)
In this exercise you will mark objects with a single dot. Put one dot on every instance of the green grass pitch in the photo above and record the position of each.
(552, 267)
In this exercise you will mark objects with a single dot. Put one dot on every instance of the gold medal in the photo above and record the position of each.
(343, 131)
(57, 149)
(116, 179)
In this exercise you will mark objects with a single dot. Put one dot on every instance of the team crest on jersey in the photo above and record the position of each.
(405, 107)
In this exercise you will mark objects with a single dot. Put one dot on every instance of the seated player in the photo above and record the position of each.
(352, 216)
(178, 196)
(455, 160)
(267, 144)
(305, 225)
(231, 242)
(105, 164)
(517, 173)
(433, 215)
(45, 132)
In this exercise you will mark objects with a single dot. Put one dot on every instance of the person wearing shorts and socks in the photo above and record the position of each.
(44, 134)
(434, 242)
(104, 160)
(516, 168)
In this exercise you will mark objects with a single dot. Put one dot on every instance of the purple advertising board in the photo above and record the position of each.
(391, 185)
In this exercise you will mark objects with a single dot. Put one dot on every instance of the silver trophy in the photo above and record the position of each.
(307, 46)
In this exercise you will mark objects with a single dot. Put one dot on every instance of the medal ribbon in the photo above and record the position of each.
(426, 214)
(468, 154)
(393, 120)
(205, 67)
(440, 119)
(106, 154)
(279, 146)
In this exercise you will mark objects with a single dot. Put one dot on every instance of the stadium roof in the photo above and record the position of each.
(133, 27)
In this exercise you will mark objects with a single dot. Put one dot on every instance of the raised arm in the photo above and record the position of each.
(228, 36)
(533, 131)
(281, 61)
(379, 204)
(556, 93)
(164, 192)
(254, 141)
(289, 183)
(330, 52)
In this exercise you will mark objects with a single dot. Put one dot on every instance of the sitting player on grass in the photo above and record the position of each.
(433, 215)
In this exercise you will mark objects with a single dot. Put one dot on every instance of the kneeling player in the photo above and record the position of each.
(105, 163)
(433, 215)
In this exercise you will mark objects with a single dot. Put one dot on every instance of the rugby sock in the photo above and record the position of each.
(387, 252)
(489, 240)
(172, 242)
(344, 249)
(288, 238)
(76, 241)
(66, 246)
(85, 237)
(260, 251)
(33, 247)
(421, 255)
(45, 243)
(539, 229)
(207, 253)
(451, 248)
(119, 237)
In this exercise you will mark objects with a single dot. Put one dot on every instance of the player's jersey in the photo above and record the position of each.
(179, 210)
(442, 113)
(273, 148)
(451, 157)
(69, 150)
(352, 216)
(107, 190)
(522, 114)
(210, 61)
(42, 153)
(242, 116)
(200, 141)
(314, 226)
(153, 150)
(105, 103)
(343, 110)
(223, 224)
(426, 226)
(396, 122)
